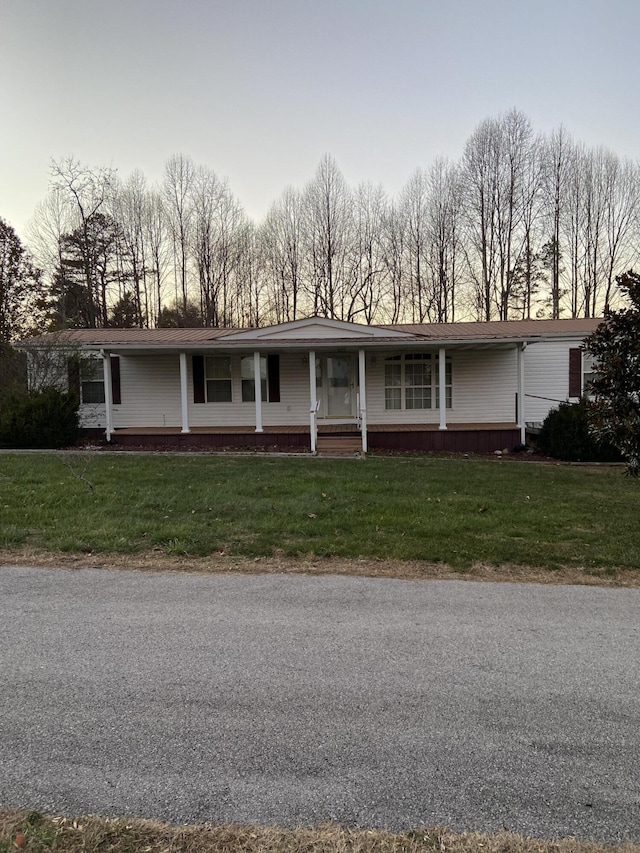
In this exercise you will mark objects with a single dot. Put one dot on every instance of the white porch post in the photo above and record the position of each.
(258, 385)
(312, 394)
(442, 389)
(184, 392)
(108, 395)
(521, 414)
(362, 366)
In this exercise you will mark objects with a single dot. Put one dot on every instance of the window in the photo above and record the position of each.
(248, 383)
(588, 373)
(393, 382)
(411, 381)
(91, 381)
(581, 372)
(218, 378)
(269, 378)
(417, 381)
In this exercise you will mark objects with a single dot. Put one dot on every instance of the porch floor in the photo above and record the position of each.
(300, 429)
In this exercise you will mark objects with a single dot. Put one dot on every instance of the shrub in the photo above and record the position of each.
(46, 419)
(565, 435)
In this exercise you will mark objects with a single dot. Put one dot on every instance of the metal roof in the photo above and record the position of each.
(463, 333)
(498, 329)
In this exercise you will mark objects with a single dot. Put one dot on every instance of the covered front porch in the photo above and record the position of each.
(294, 400)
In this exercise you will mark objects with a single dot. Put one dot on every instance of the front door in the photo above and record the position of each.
(338, 385)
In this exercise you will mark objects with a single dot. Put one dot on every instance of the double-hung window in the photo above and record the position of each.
(411, 381)
(588, 373)
(218, 378)
(91, 380)
(248, 379)
(417, 381)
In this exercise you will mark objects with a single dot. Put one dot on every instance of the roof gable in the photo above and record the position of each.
(315, 328)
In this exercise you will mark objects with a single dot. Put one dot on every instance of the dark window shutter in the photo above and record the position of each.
(273, 373)
(116, 396)
(575, 372)
(197, 362)
(73, 372)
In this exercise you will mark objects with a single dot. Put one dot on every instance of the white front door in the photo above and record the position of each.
(338, 385)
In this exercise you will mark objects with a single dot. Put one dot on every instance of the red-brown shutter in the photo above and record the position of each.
(575, 372)
(73, 372)
(116, 395)
(273, 374)
(197, 363)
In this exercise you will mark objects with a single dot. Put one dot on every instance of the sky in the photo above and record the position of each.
(260, 90)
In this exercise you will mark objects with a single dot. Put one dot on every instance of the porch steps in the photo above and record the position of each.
(339, 445)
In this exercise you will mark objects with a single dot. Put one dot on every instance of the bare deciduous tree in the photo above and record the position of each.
(328, 227)
(281, 242)
(177, 190)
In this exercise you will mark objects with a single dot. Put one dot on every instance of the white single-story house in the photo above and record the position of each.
(473, 387)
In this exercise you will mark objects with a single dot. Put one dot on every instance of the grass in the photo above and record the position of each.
(456, 512)
(35, 833)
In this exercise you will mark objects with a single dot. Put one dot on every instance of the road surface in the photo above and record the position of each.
(296, 700)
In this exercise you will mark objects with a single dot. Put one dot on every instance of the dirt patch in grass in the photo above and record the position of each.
(158, 561)
(32, 832)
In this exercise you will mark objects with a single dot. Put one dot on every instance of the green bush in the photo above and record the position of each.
(565, 435)
(47, 419)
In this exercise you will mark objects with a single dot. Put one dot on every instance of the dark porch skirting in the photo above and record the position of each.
(457, 438)
(214, 438)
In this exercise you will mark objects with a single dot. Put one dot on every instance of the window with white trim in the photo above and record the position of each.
(248, 379)
(411, 381)
(217, 374)
(588, 373)
(91, 380)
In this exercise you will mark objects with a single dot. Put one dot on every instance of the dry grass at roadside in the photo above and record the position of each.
(31, 832)
(156, 561)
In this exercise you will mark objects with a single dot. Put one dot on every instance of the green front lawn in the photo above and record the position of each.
(455, 511)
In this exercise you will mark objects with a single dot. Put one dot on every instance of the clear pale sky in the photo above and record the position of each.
(259, 90)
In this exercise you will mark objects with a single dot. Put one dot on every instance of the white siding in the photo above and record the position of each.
(150, 386)
(484, 384)
(92, 415)
(484, 389)
(546, 377)
(316, 332)
(292, 409)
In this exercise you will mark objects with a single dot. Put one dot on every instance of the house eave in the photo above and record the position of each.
(325, 344)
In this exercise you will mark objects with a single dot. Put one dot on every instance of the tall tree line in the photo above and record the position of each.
(523, 225)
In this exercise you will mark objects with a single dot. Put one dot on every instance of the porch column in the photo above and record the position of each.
(442, 390)
(312, 393)
(184, 392)
(108, 395)
(363, 397)
(521, 415)
(258, 395)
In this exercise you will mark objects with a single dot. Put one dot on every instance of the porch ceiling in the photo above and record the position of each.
(324, 345)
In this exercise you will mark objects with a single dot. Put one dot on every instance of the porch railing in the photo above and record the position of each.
(313, 416)
(362, 422)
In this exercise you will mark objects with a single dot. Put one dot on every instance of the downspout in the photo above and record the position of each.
(521, 409)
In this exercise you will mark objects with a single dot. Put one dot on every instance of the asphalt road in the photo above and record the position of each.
(296, 700)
